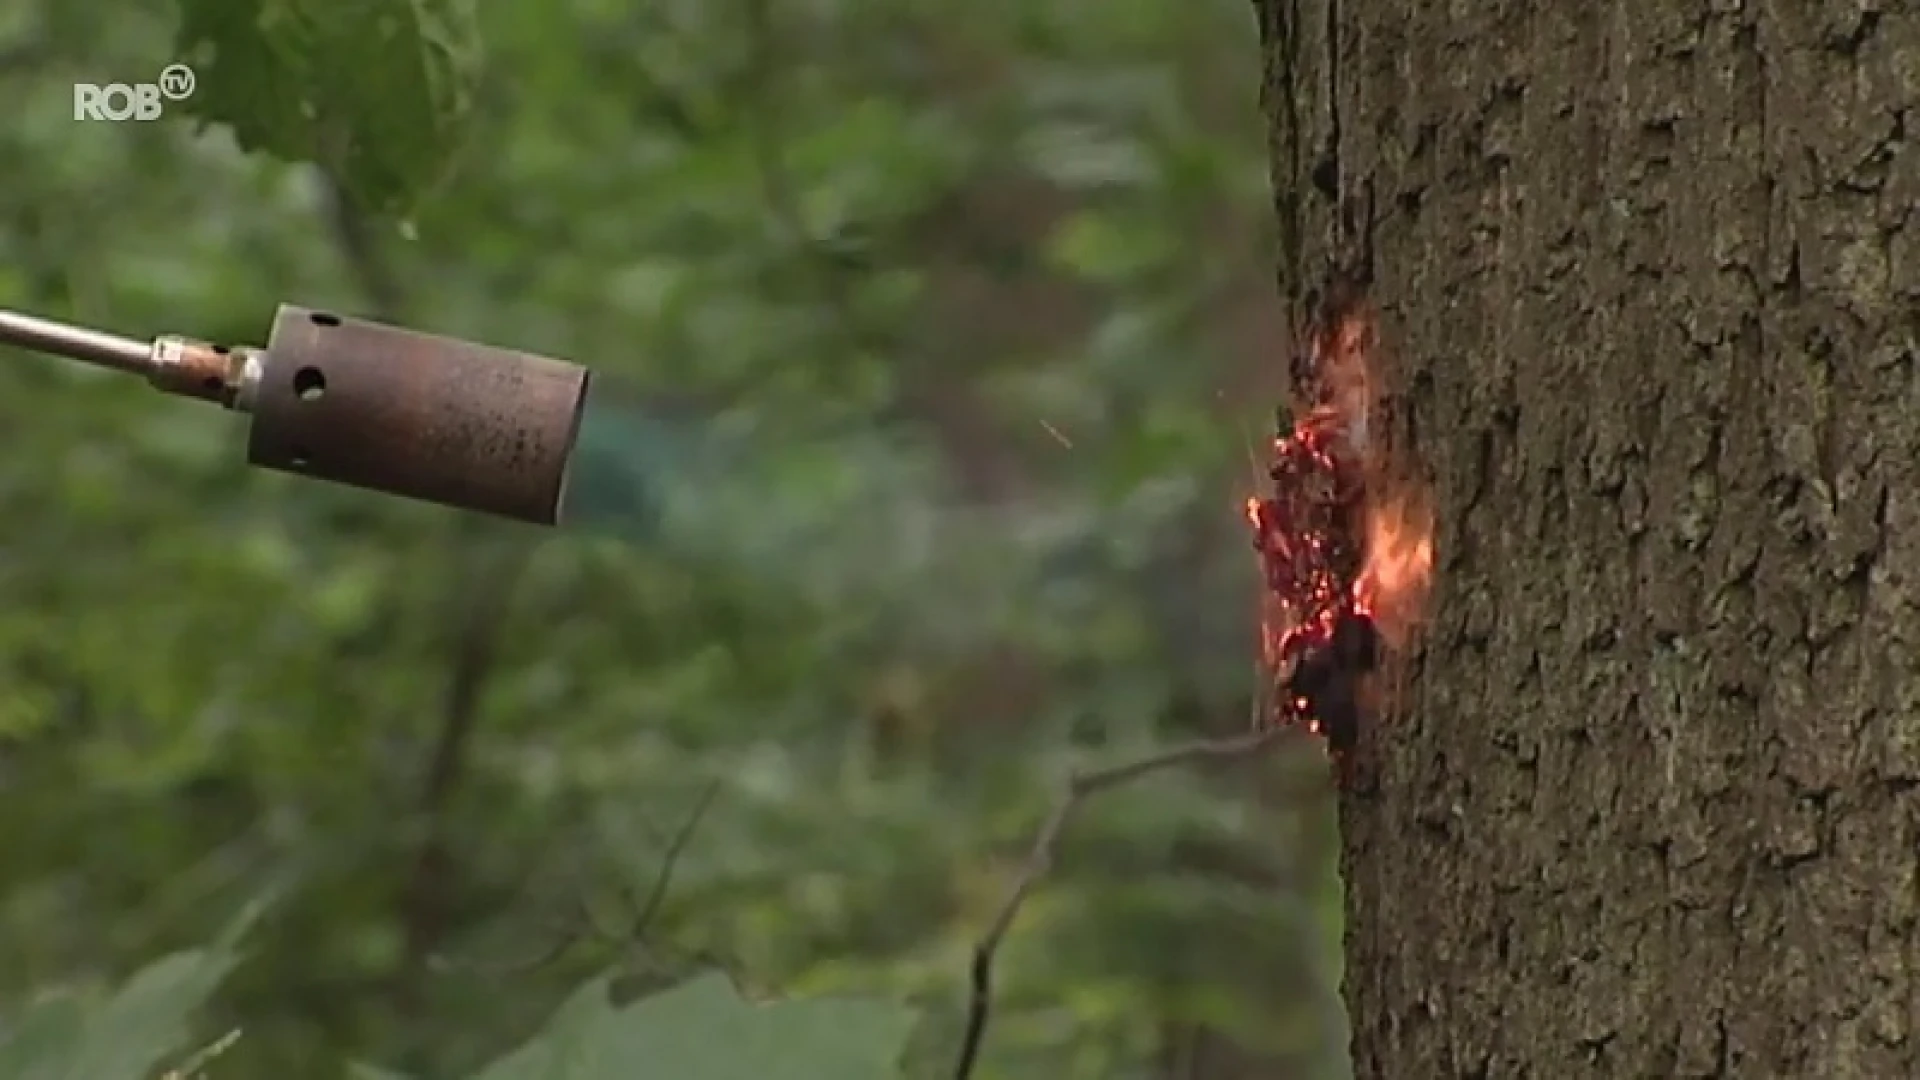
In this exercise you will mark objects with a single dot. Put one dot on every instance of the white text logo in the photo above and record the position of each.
(119, 102)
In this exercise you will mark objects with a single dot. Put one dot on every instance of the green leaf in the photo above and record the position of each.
(375, 92)
(43, 1041)
(703, 1030)
(123, 1038)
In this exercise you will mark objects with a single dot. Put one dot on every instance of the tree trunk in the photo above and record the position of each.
(1651, 275)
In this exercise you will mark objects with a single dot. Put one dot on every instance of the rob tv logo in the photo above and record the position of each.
(119, 102)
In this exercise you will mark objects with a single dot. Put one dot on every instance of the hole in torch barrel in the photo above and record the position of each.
(309, 383)
(321, 318)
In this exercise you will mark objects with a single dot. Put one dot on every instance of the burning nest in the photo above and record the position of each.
(1344, 534)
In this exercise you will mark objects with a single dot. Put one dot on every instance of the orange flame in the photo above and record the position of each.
(1346, 528)
(1396, 511)
(1393, 581)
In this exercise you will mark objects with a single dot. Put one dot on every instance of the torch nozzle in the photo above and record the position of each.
(76, 343)
(377, 407)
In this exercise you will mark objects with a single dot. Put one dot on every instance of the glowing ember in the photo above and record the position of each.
(1345, 542)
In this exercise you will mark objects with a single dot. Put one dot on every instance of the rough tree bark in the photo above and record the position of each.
(1651, 275)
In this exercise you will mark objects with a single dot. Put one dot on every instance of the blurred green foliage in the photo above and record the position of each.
(932, 340)
(703, 1029)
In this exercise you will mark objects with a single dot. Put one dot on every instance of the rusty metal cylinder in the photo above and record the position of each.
(451, 422)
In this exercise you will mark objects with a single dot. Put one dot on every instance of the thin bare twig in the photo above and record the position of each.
(1046, 842)
(423, 898)
(355, 236)
(675, 848)
(570, 932)
(423, 905)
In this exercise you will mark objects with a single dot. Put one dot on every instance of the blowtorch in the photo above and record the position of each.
(456, 423)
